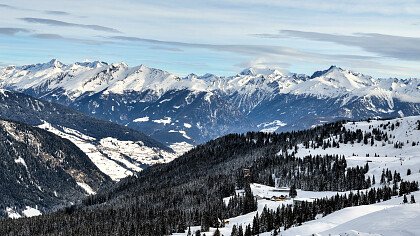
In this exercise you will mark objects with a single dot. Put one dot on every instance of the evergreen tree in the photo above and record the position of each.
(412, 199)
(248, 231)
(255, 225)
(217, 232)
(240, 231)
(250, 203)
(292, 191)
(405, 199)
(234, 231)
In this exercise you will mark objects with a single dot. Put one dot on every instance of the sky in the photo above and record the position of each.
(375, 37)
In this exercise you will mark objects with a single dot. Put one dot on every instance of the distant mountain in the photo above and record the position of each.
(40, 171)
(116, 150)
(185, 111)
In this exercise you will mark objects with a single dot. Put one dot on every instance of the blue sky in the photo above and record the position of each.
(376, 37)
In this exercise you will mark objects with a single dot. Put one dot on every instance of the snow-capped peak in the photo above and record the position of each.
(265, 71)
(93, 64)
(121, 64)
(55, 63)
(93, 77)
(332, 69)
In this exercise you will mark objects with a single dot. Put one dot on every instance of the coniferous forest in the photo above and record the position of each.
(189, 191)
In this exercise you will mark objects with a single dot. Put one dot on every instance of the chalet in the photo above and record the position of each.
(247, 172)
(279, 198)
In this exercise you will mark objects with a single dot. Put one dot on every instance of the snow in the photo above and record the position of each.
(87, 188)
(82, 78)
(11, 213)
(184, 134)
(30, 212)
(142, 119)
(270, 127)
(106, 165)
(117, 159)
(385, 218)
(165, 121)
(186, 125)
(181, 147)
(3, 93)
(21, 161)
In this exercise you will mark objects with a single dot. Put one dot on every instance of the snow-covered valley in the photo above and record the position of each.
(115, 158)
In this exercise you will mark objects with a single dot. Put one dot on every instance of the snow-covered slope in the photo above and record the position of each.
(114, 157)
(213, 105)
(117, 150)
(399, 153)
(92, 77)
(40, 172)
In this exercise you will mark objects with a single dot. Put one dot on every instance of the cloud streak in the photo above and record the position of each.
(399, 47)
(58, 13)
(8, 6)
(249, 50)
(52, 22)
(12, 31)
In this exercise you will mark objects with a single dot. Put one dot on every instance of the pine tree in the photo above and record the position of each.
(217, 232)
(234, 231)
(292, 191)
(255, 225)
(405, 199)
(240, 231)
(249, 204)
(205, 222)
(248, 231)
(408, 172)
(412, 199)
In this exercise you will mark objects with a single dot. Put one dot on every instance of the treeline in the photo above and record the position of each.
(312, 173)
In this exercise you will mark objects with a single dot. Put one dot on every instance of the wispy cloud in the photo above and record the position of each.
(7, 6)
(250, 50)
(399, 47)
(58, 13)
(60, 37)
(52, 22)
(47, 36)
(170, 49)
(13, 31)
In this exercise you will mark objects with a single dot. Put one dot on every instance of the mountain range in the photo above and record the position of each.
(182, 112)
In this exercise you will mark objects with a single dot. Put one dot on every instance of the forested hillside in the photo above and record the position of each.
(41, 172)
(189, 191)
